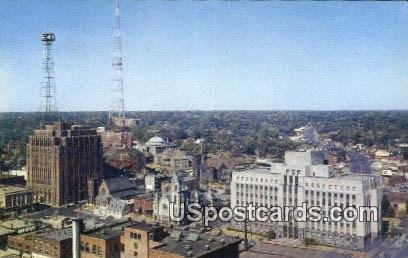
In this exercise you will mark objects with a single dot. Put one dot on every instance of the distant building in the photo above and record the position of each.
(118, 188)
(143, 205)
(156, 145)
(116, 197)
(116, 139)
(61, 158)
(172, 158)
(382, 154)
(153, 182)
(15, 197)
(10, 179)
(179, 194)
(118, 208)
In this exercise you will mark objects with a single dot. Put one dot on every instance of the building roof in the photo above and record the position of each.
(156, 141)
(116, 230)
(143, 226)
(117, 205)
(108, 232)
(6, 231)
(57, 235)
(16, 224)
(118, 184)
(126, 193)
(6, 189)
(183, 242)
(172, 154)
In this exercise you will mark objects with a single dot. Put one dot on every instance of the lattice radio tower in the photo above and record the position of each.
(117, 114)
(48, 93)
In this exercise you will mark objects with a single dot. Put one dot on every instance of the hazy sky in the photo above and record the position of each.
(183, 55)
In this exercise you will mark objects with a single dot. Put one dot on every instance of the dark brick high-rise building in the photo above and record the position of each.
(61, 158)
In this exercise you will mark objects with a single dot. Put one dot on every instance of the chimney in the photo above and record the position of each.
(77, 228)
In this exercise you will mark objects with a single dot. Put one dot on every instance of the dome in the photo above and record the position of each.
(155, 141)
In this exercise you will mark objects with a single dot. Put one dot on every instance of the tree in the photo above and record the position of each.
(307, 241)
(387, 210)
(404, 153)
(270, 234)
(406, 206)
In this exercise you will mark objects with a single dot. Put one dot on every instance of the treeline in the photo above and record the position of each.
(238, 132)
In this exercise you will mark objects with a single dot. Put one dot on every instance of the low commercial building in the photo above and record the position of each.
(19, 226)
(23, 243)
(102, 242)
(138, 239)
(53, 244)
(10, 179)
(183, 243)
(12, 197)
(173, 159)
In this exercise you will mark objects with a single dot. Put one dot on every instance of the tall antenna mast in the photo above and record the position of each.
(48, 98)
(117, 114)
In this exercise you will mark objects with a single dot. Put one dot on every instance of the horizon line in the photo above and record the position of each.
(226, 110)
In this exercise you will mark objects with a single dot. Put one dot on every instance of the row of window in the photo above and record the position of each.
(258, 180)
(335, 187)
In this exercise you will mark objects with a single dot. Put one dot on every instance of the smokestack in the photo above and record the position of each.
(77, 228)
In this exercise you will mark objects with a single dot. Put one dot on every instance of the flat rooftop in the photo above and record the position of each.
(107, 232)
(181, 242)
(7, 189)
(16, 224)
(115, 230)
(57, 234)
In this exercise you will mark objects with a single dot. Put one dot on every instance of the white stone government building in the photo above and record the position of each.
(306, 177)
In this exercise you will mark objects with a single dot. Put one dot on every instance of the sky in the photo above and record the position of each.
(209, 55)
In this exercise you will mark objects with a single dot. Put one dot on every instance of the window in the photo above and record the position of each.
(135, 245)
(135, 254)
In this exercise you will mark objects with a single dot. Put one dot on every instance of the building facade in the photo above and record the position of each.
(182, 192)
(156, 145)
(116, 139)
(304, 177)
(172, 158)
(102, 242)
(15, 197)
(61, 158)
(53, 244)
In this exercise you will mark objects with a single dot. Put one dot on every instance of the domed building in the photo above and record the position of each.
(156, 145)
(155, 141)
